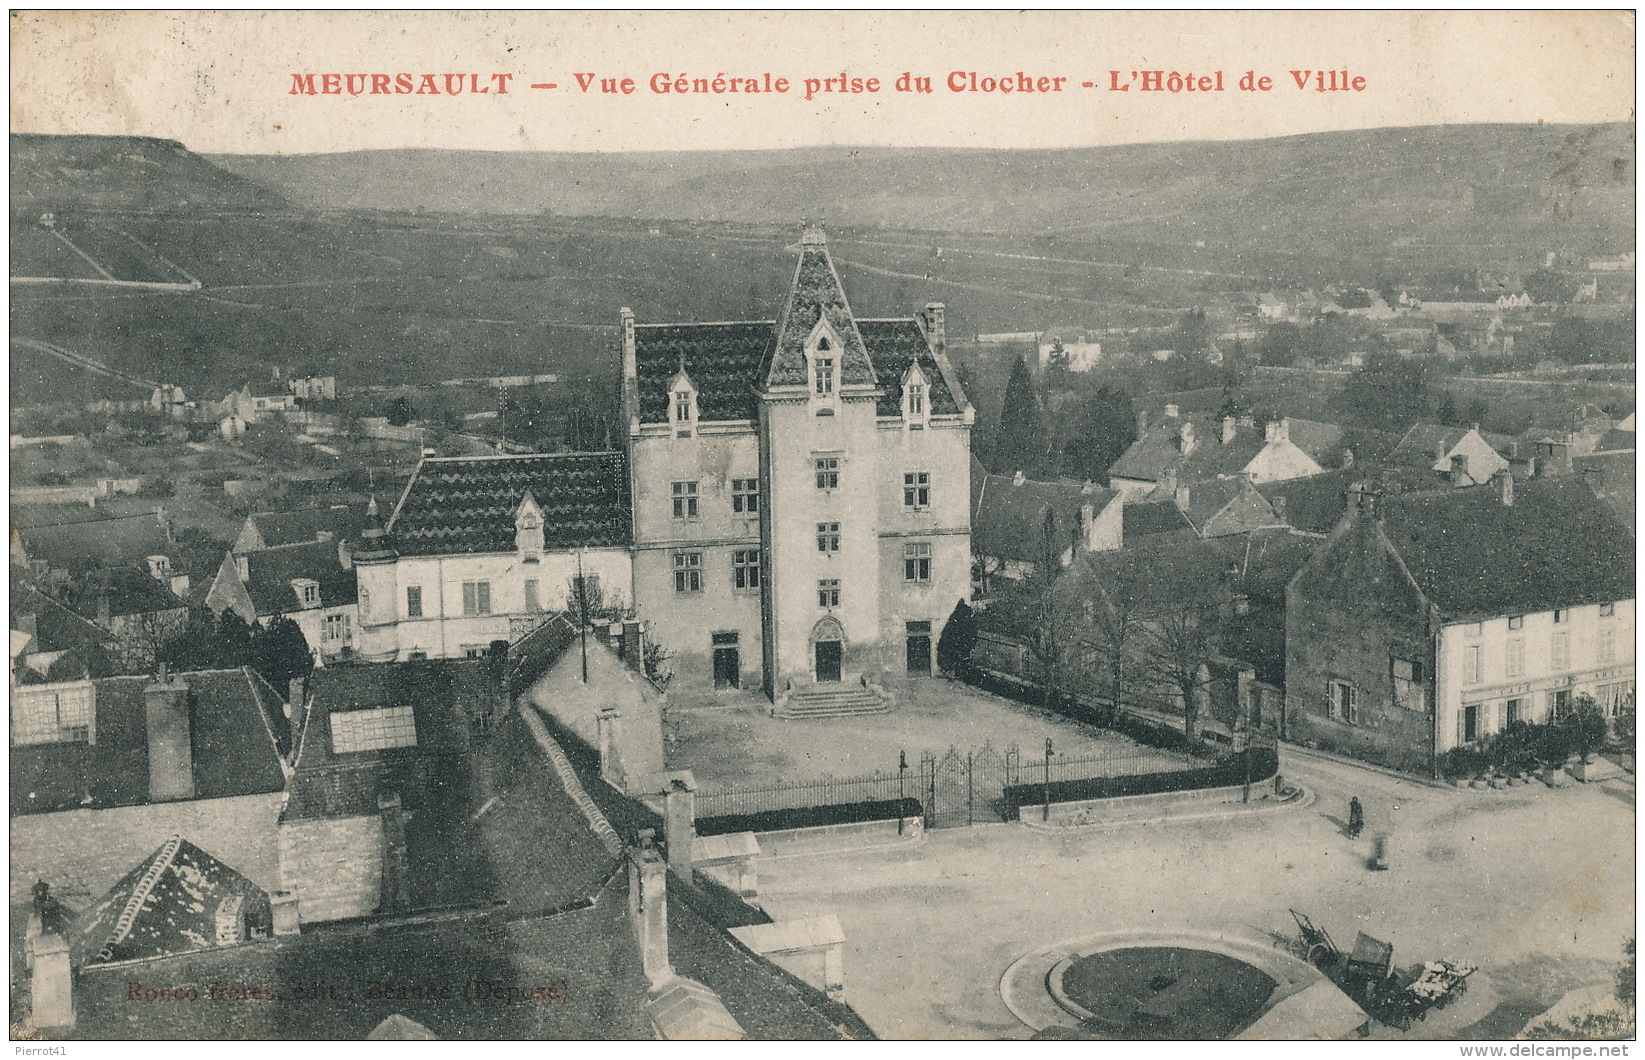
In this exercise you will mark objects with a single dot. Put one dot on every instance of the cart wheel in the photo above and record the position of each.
(1317, 952)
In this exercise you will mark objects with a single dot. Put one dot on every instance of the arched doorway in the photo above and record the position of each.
(827, 649)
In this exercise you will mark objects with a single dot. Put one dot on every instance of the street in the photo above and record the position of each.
(1534, 885)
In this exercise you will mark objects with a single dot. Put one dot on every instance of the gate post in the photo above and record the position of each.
(970, 789)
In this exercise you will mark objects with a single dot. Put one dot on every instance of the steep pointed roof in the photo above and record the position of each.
(814, 293)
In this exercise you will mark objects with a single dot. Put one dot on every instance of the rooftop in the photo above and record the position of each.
(239, 733)
(1008, 517)
(271, 571)
(464, 505)
(120, 542)
(342, 521)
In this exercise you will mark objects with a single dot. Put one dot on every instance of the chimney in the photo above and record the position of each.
(242, 567)
(1017, 478)
(1504, 483)
(631, 370)
(396, 889)
(680, 821)
(633, 652)
(1278, 504)
(1459, 470)
(648, 906)
(1592, 477)
(1187, 438)
(1247, 421)
(1347, 458)
(1142, 423)
(1168, 481)
(1270, 430)
(1171, 412)
(103, 609)
(934, 326)
(1230, 428)
(1182, 498)
(170, 739)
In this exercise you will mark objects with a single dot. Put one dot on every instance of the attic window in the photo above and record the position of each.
(373, 730)
(308, 591)
(682, 406)
(824, 372)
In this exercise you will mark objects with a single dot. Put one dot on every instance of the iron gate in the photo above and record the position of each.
(966, 789)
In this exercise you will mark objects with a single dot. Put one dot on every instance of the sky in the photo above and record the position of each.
(221, 82)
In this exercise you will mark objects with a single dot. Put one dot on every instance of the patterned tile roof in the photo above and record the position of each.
(895, 344)
(815, 292)
(466, 505)
(723, 361)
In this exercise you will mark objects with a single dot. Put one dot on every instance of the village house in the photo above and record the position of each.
(313, 584)
(139, 542)
(1018, 524)
(336, 522)
(105, 771)
(1460, 456)
(801, 490)
(485, 549)
(1431, 620)
(1189, 449)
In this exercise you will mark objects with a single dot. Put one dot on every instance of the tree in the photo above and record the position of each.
(1056, 362)
(958, 639)
(1019, 444)
(280, 652)
(1587, 727)
(1280, 345)
(1105, 427)
(1389, 392)
(1179, 648)
(1191, 334)
(400, 411)
(1112, 638)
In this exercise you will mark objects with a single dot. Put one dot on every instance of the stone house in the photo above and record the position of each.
(801, 488)
(1431, 620)
(1188, 449)
(482, 549)
(105, 771)
(1460, 456)
(314, 584)
(1017, 523)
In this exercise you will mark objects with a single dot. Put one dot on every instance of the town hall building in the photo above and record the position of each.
(793, 506)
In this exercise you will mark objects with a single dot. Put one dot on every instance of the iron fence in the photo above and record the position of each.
(747, 800)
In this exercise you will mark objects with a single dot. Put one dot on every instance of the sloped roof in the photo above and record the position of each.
(723, 361)
(342, 521)
(466, 504)
(1008, 518)
(1557, 546)
(120, 542)
(1314, 503)
(814, 293)
(1615, 440)
(1611, 477)
(129, 591)
(239, 732)
(1422, 444)
(271, 571)
(56, 628)
(1159, 449)
(895, 344)
(1143, 519)
(164, 906)
(1227, 506)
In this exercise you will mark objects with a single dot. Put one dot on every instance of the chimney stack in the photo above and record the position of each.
(648, 906)
(170, 738)
(1504, 482)
(1182, 498)
(1593, 478)
(631, 370)
(1459, 470)
(1278, 504)
(1142, 423)
(1017, 478)
(1168, 481)
(1187, 436)
(1230, 429)
(1171, 412)
(396, 882)
(934, 326)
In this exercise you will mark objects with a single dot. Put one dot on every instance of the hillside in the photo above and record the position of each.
(1453, 186)
(135, 173)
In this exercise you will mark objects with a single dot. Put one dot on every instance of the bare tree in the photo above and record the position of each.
(1180, 646)
(1113, 637)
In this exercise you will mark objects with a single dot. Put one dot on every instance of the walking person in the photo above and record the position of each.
(1356, 817)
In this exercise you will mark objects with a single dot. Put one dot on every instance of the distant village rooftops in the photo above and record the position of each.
(468, 504)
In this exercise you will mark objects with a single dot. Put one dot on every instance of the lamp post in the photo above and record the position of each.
(1045, 811)
(902, 772)
(582, 612)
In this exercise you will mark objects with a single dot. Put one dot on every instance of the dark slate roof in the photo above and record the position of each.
(55, 627)
(1008, 518)
(1227, 506)
(126, 541)
(895, 344)
(1421, 444)
(443, 695)
(1556, 546)
(1144, 519)
(272, 570)
(28, 515)
(342, 521)
(467, 504)
(1314, 504)
(167, 905)
(1611, 476)
(129, 591)
(814, 293)
(723, 361)
(1615, 441)
(239, 729)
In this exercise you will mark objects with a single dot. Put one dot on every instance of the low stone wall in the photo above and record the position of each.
(1135, 807)
(82, 853)
(333, 865)
(791, 841)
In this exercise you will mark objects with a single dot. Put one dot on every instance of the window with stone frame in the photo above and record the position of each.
(916, 489)
(414, 601)
(828, 537)
(916, 561)
(828, 593)
(476, 598)
(1341, 702)
(828, 472)
(688, 572)
(745, 496)
(685, 500)
(745, 568)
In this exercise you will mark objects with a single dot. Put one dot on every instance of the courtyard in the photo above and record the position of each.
(729, 737)
(1533, 885)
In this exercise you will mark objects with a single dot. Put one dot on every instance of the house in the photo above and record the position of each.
(313, 584)
(801, 490)
(252, 402)
(1462, 456)
(1018, 523)
(1082, 353)
(105, 771)
(141, 542)
(139, 612)
(1146, 520)
(336, 522)
(1431, 620)
(482, 549)
(51, 634)
(1194, 450)
(1611, 477)
(169, 400)
(313, 388)
(1220, 507)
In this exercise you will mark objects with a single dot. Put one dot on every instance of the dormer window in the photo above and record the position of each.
(683, 409)
(159, 566)
(915, 390)
(916, 401)
(682, 406)
(307, 590)
(528, 528)
(824, 373)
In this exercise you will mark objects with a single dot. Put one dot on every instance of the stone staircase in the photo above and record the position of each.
(832, 700)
